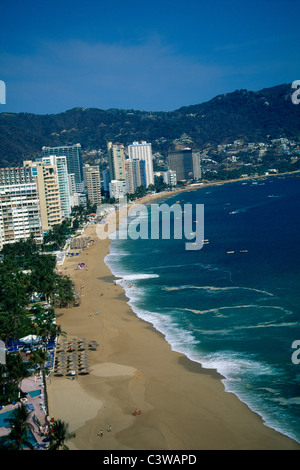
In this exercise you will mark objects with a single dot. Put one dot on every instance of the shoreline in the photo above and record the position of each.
(184, 406)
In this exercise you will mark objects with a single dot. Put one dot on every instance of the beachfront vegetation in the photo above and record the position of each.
(19, 436)
(56, 238)
(11, 375)
(30, 289)
(59, 435)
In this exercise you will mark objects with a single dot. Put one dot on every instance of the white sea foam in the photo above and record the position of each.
(235, 368)
(137, 277)
(180, 339)
(217, 289)
(238, 369)
(230, 330)
(194, 310)
(233, 365)
(286, 401)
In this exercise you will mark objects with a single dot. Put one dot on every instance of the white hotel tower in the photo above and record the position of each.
(143, 151)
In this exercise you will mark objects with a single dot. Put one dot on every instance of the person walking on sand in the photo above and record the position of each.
(101, 433)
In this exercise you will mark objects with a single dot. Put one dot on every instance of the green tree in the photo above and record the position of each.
(38, 357)
(19, 435)
(64, 291)
(11, 376)
(18, 369)
(60, 434)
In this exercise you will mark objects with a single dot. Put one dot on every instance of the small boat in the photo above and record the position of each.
(243, 251)
(230, 251)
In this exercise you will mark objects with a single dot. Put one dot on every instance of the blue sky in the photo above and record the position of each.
(155, 56)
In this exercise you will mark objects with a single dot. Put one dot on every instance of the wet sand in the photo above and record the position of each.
(183, 406)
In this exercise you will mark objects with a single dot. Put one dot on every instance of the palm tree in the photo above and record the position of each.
(64, 291)
(60, 434)
(18, 369)
(38, 357)
(19, 435)
(59, 332)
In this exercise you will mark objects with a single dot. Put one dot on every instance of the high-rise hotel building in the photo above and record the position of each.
(63, 182)
(135, 174)
(48, 192)
(186, 163)
(74, 161)
(116, 161)
(143, 151)
(92, 180)
(20, 214)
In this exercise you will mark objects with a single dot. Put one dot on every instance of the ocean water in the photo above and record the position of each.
(234, 305)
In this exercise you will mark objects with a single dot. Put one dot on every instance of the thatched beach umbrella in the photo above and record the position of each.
(72, 364)
(61, 360)
(84, 354)
(62, 354)
(84, 359)
(61, 371)
(84, 366)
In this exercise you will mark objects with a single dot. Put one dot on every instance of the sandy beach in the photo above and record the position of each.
(183, 406)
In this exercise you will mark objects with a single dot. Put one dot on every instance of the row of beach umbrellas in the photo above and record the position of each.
(72, 357)
(76, 344)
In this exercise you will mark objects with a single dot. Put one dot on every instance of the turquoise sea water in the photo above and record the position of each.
(235, 312)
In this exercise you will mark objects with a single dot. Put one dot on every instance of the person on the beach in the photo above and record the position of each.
(101, 433)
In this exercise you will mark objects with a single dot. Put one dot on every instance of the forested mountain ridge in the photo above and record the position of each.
(251, 116)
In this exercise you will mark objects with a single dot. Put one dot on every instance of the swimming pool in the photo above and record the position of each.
(3, 417)
(5, 424)
(34, 393)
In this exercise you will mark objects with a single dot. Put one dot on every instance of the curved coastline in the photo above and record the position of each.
(184, 406)
(189, 358)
